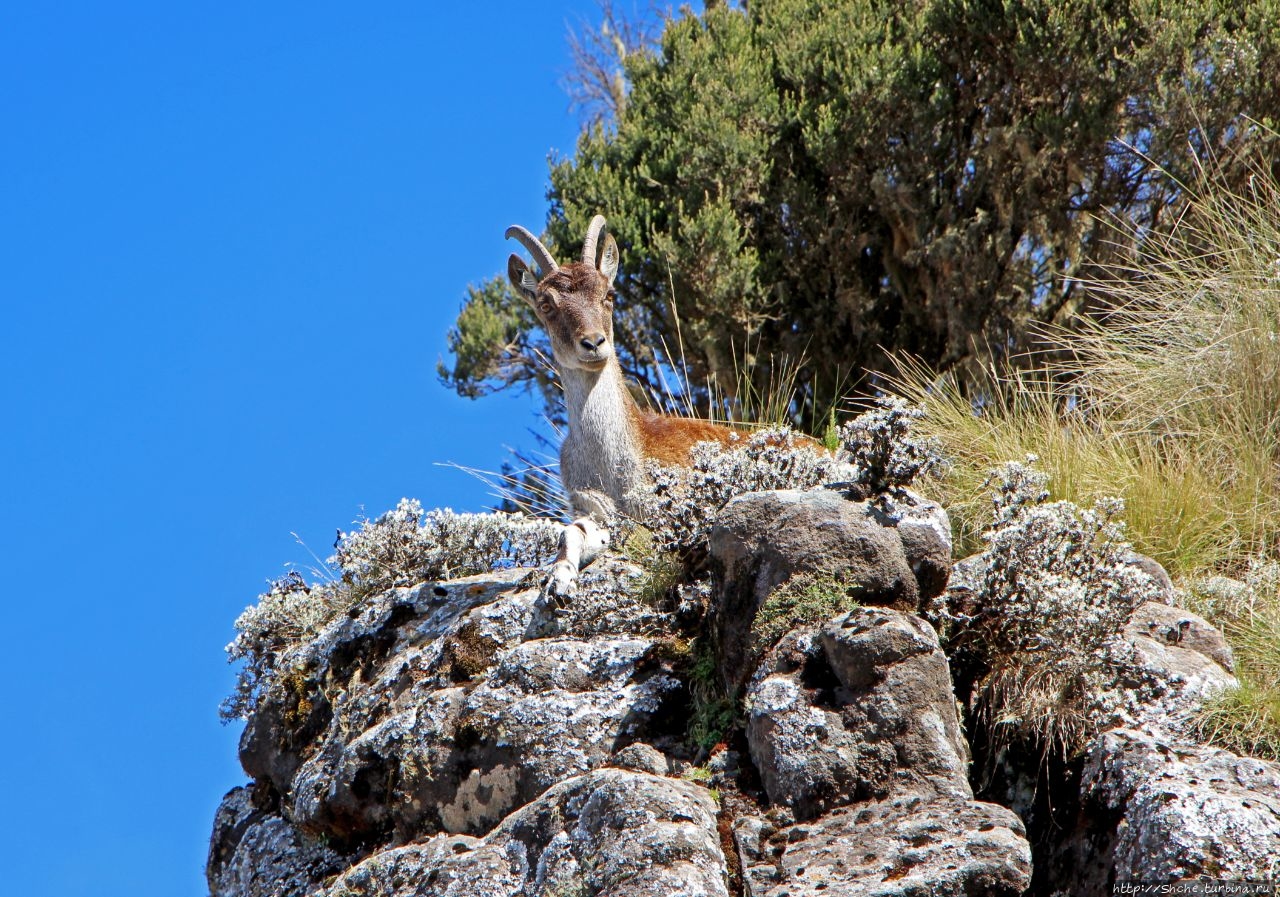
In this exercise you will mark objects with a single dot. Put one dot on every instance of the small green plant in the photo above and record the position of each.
(298, 690)
(803, 600)
(700, 774)
(661, 574)
(712, 719)
(638, 545)
(831, 432)
(713, 712)
(662, 570)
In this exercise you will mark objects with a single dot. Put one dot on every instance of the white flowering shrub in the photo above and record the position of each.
(679, 504)
(1015, 487)
(402, 547)
(1059, 579)
(1230, 602)
(877, 451)
(880, 445)
(1049, 599)
(288, 613)
(406, 545)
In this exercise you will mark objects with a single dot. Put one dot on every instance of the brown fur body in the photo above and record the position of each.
(668, 439)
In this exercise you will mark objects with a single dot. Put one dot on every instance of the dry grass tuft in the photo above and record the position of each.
(1169, 398)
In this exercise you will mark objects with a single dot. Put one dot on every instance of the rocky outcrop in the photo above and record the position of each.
(1143, 802)
(629, 833)
(859, 717)
(611, 831)
(256, 850)
(1182, 649)
(906, 846)
(464, 738)
(1184, 810)
(1153, 805)
(895, 550)
(441, 708)
(857, 710)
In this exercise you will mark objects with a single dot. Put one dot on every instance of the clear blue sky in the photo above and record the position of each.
(232, 237)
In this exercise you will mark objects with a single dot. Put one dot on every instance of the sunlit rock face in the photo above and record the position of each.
(471, 738)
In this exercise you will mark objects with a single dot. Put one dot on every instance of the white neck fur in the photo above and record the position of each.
(601, 450)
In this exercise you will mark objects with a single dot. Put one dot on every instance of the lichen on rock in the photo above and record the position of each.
(757, 702)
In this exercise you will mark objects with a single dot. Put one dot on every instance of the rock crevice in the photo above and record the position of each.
(464, 738)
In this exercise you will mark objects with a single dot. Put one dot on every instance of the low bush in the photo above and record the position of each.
(877, 450)
(406, 545)
(681, 503)
(1050, 597)
(402, 547)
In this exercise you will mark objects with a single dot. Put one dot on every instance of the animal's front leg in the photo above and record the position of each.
(580, 543)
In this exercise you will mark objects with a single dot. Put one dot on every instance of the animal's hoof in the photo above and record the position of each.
(559, 586)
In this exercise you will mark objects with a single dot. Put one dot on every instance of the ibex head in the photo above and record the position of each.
(573, 302)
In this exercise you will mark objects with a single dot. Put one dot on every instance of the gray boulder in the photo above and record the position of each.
(612, 831)
(256, 852)
(859, 709)
(442, 708)
(854, 729)
(435, 633)
(548, 710)
(1177, 661)
(1181, 811)
(895, 551)
(907, 847)
(643, 758)
(1176, 630)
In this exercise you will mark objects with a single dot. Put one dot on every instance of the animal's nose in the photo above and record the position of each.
(593, 341)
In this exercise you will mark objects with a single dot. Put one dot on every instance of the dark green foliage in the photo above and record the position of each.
(495, 343)
(837, 180)
(713, 711)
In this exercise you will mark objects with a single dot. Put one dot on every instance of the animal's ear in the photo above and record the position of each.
(526, 285)
(609, 259)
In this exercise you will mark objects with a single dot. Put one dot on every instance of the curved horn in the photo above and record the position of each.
(539, 252)
(593, 234)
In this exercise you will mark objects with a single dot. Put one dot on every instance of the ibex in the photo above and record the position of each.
(610, 438)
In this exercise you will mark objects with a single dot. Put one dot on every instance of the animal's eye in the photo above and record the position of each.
(609, 296)
(546, 306)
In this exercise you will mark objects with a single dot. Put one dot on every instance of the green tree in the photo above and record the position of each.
(838, 180)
